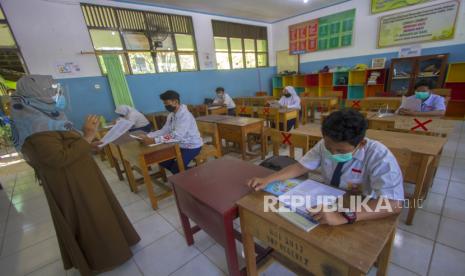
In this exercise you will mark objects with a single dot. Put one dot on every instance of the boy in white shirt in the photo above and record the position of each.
(222, 98)
(350, 161)
(180, 127)
(431, 104)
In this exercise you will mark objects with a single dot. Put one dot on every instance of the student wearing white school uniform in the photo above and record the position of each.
(180, 127)
(131, 114)
(290, 100)
(222, 98)
(431, 104)
(350, 161)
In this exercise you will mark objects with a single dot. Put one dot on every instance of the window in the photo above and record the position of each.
(240, 46)
(11, 62)
(147, 42)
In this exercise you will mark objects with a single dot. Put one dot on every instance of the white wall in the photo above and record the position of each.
(365, 32)
(51, 31)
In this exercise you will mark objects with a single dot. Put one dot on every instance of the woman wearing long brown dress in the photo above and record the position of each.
(93, 232)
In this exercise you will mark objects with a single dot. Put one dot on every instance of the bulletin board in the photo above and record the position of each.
(378, 6)
(324, 33)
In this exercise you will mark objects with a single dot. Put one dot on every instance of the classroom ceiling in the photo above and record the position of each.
(259, 10)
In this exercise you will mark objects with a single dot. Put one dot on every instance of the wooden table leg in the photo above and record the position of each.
(243, 143)
(419, 184)
(312, 113)
(249, 250)
(384, 256)
(230, 246)
(186, 227)
(130, 176)
(148, 183)
(263, 138)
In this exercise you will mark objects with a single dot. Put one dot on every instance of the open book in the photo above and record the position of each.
(411, 103)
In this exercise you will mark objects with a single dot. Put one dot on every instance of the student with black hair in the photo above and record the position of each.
(223, 99)
(431, 104)
(180, 127)
(350, 161)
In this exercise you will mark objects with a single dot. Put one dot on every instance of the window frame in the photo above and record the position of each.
(153, 51)
(16, 48)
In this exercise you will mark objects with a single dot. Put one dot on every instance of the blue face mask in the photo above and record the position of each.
(422, 95)
(338, 158)
(60, 102)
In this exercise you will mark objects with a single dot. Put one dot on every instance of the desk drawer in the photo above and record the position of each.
(230, 133)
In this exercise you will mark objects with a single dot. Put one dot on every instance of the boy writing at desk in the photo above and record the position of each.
(350, 161)
(431, 104)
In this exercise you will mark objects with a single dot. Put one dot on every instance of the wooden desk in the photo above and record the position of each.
(425, 153)
(312, 102)
(286, 114)
(255, 101)
(374, 103)
(326, 250)
(217, 110)
(236, 129)
(207, 195)
(137, 156)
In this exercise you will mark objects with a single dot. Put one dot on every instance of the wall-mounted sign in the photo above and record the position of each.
(410, 51)
(432, 23)
(328, 32)
(378, 6)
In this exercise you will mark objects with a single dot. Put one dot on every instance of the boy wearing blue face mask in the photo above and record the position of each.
(350, 161)
(431, 104)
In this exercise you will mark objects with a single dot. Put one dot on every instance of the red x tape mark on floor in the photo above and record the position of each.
(286, 138)
(356, 104)
(243, 110)
(421, 124)
(266, 110)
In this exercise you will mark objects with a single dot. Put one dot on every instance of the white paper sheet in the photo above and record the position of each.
(312, 189)
(411, 103)
(120, 128)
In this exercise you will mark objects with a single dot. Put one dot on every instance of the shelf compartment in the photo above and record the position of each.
(456, 72)
(457, 90)
(277, 82)
(355, 92)
(311, 80)
(357, 77)
(340, 78)
(325, 79)
(298, 80)
(342, 88)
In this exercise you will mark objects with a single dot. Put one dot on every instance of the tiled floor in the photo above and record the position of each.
(433, 245)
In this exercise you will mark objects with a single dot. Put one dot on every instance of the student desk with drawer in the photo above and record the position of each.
(236, 129)
(217, 110)
(375, 103)
(325, 250)
(255, 101)
(207, 195)
(425, 152)
(311, 102)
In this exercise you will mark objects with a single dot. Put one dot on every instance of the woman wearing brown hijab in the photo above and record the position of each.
(93, 231)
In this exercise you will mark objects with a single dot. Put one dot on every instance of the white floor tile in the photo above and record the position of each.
(200, 265)
(457, 190)
(202, 241)
(126, 198)
(395, 270)
(440, 186)
(452, 233)
(128, 268)
(412, 252)
(171, 214)
(138, 210)
(19, 240)
(31, 258)
(217, 255)
(447, 261)
(424, 224)
(53, 269)
(446, 161)
(165, 256)
(433, 203)
(151, 229)
(29, 206)
(25, 220)
(458, 174)
(443, 172)
(454, 208)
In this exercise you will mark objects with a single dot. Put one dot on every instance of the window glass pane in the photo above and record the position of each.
(184, 42)
(11, 60)
(141, 63)
(250, 60)
(249, 45)
(122, 59)
(221, 44)
(166, 62)
(167, 44)
(262, 46)
(187, 62)
(222, 61)
(136, 41)
(106, 40)
(237, 61)
(236, 44)
(6, 39)
(1, 14)
(261, 60)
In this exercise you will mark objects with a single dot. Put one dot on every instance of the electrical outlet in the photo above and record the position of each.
(97, 86)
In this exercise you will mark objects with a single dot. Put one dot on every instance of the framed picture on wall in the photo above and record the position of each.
(378, 63)
(378, 6)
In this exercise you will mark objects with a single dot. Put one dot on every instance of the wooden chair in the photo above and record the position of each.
(294, 140)
(427, 133)
(198, 110)
(403, 157)
(376, 105)
(261, 93)
(239, 101)
(153, 121)
(212, 149)
(244, 111)
(270, 114)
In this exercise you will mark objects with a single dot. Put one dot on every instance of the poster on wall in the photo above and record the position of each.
(432, 23)
(328, 32)
(378, 6)
(67, 67)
